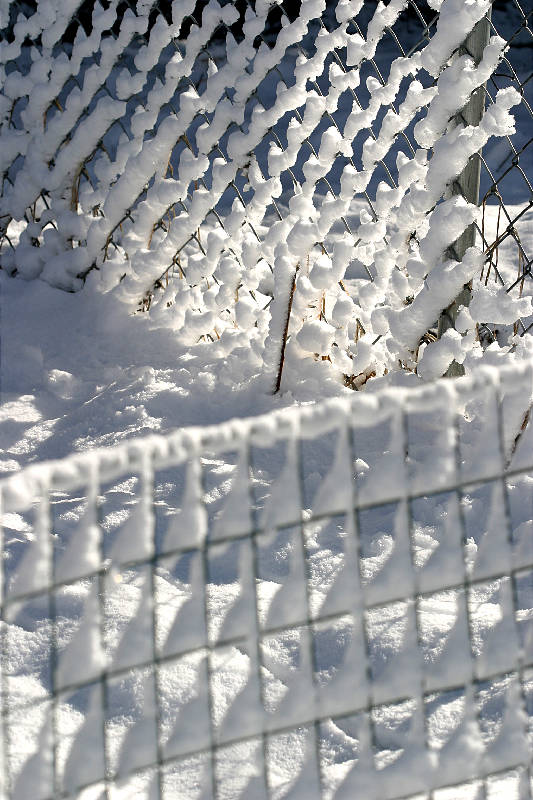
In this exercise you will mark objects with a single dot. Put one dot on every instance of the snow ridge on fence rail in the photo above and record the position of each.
(365, 623)
(209, 178)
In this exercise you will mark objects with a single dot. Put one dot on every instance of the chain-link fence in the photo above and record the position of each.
(176, 145)
(506, 188)
(211, 52)
(205, 615)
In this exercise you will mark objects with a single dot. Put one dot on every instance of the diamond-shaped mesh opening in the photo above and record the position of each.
(506, 185)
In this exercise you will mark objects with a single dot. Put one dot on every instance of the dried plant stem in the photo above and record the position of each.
(525, 422)
(74, 193)
(285, 333)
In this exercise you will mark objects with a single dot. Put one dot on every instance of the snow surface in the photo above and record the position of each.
(78, 371)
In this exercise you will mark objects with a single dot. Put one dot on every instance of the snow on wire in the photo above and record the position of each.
(331, 601)
(509, 181)
(227, 177)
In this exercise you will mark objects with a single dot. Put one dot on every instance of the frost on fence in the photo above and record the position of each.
(219, 172)
(198, 616)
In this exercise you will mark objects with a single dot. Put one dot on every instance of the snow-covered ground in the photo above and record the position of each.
(79, 371)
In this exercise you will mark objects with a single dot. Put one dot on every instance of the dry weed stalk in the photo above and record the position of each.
(523, 426)
(285, 332)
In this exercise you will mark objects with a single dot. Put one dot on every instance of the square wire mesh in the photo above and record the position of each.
(207, 612)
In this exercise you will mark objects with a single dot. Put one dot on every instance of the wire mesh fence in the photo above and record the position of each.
(331, 601)
(506, 175)
(176, 146)
(200, 43)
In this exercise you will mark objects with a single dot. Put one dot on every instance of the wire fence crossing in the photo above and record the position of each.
(206, 618)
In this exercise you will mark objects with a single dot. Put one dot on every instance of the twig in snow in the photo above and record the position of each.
(285, 332)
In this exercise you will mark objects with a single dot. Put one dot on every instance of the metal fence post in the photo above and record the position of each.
(467, 183)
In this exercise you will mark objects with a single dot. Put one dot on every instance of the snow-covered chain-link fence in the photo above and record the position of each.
(509, 179)
(273, 177)
(205, 614)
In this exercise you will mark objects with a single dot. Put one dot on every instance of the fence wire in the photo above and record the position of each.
(203, 614)
(506, 187)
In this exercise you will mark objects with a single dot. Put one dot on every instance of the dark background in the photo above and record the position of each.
(291, 8)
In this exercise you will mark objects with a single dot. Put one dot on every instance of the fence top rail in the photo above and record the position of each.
(18, 491)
